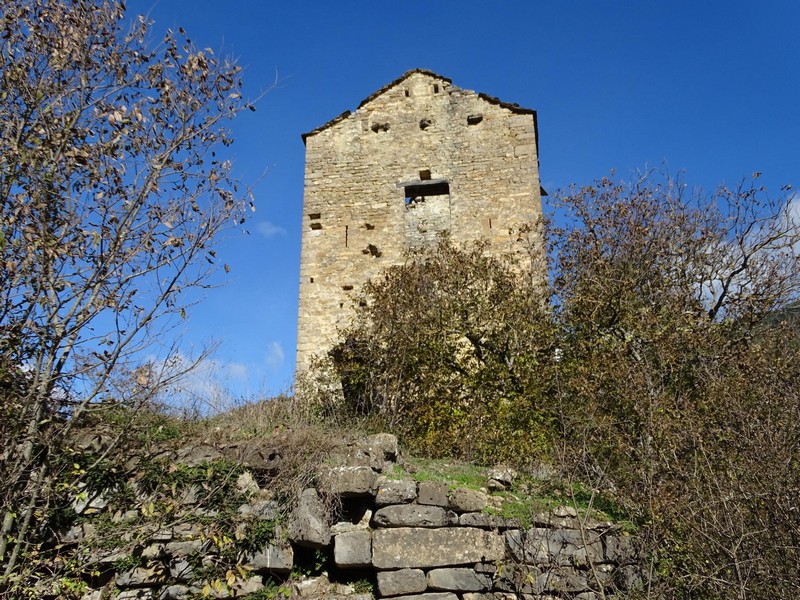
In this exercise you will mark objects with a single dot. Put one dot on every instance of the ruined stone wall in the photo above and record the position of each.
(419, 157)
(368, 532)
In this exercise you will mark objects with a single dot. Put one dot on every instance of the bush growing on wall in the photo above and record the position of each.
(453, 349)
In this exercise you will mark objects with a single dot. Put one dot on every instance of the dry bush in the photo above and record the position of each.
(677, 387)
(451, 350)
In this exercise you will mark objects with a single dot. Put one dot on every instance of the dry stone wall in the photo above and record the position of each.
(417, 158)
(375, 537)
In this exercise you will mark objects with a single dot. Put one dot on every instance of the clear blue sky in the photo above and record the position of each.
(709, 87)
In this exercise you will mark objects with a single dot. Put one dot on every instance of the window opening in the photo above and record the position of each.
(346, 229)
(435, 88)
(474, 119)
(418, 192)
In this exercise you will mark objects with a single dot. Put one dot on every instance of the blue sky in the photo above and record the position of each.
(709, 87)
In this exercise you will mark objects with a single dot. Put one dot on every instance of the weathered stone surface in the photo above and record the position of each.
(357, 520)
(135, 595)
(396, 492)
(518, 579)
(384, 444)
(88, 502)
(251, 585)
(185, 548)
(272, 559)
(620, 549)
(141, 577)
(413, 515)
(266, 510)
(479, 596)
(458, 580)
(175, 592)
(153, 551)
(349, 482)
(414, 547)
(501, 478)
(563, 581)
(353, 549)
(312, 587)
(551, 520)
(181, 570)
(194, 456)
(431, 596)
(487, 521)
(555, 546)
(629, 577)
(246, 484)
(433, 493)
(404, 581)
(564, 511)
(463, 500)
(308, 525)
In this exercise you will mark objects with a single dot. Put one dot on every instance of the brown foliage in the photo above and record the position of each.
(678, 383)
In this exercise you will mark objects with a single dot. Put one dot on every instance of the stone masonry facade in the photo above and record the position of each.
(417, 158)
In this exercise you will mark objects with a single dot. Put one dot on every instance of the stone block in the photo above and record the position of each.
(185, 548)
(620, 549)
(175, 592)
(486, 521)
(181, 570)
(152, 576)
(415, 547)
(433, 493)
(413, 515)
(563, 581)
(501, 478)
(404, 581)
(431, 596)
(353, 549)
(396, 492)
(555, 546)
(135, 595)
(272, 559)
(463, 500)
(308, 525)
(350, 482)
(458, 580)
(384, 444)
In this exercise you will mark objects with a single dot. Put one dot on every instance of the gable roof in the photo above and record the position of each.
(491, 99)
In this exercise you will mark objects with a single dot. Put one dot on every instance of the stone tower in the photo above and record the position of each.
(418, 157)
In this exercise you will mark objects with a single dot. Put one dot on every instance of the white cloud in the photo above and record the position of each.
(269, 229)
(275, 355)
(206, 386)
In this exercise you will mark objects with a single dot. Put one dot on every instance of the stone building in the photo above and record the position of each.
(418, 157)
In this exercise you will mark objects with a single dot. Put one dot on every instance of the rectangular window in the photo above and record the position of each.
(418, 191)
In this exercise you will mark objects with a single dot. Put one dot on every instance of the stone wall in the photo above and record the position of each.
(417, 158)
(376, 537)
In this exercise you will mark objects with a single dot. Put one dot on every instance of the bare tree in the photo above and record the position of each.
(112, 198)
